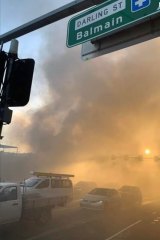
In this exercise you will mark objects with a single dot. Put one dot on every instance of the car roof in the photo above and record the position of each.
(127, 187)
(107, 189)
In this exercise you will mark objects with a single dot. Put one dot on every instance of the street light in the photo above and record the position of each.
(147, 151)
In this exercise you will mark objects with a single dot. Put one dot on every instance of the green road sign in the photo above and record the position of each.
(113, 15)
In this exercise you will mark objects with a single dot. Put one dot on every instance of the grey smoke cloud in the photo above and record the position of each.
(105, 106)
(101, 106)
(109, 105)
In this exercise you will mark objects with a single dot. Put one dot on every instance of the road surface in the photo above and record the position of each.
(73, 223)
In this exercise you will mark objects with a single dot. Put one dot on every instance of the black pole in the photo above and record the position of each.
(1, 126)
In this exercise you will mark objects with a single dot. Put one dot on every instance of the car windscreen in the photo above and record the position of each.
(102, 191)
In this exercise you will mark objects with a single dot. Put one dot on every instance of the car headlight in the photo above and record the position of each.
(99, 202)
(82, 199)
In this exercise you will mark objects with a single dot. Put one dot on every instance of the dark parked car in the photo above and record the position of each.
(131, 196)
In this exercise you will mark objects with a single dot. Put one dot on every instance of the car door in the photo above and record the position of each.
(10, 205)
(115, 198)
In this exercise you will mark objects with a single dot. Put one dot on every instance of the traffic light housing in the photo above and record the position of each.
(19, 82)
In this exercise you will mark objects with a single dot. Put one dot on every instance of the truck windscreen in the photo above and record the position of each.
(31, 182)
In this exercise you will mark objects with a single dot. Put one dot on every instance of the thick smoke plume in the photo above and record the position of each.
(110, 105)
(100, 107)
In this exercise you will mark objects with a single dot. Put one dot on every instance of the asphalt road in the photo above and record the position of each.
(73, 223)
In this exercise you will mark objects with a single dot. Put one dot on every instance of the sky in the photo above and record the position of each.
(81, 112)
(31, 45)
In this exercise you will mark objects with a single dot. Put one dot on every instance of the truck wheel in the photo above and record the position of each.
(64, 202)
(44, 216)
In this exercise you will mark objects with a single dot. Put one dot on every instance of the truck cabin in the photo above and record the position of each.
(8, 192)
(48, 180)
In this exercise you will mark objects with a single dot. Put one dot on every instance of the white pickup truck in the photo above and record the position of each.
(35, 198)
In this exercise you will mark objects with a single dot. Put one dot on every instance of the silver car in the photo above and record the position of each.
(101, 199)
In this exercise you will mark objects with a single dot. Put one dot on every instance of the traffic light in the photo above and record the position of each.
(19, 82)
(15, 82)
(3, 59)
